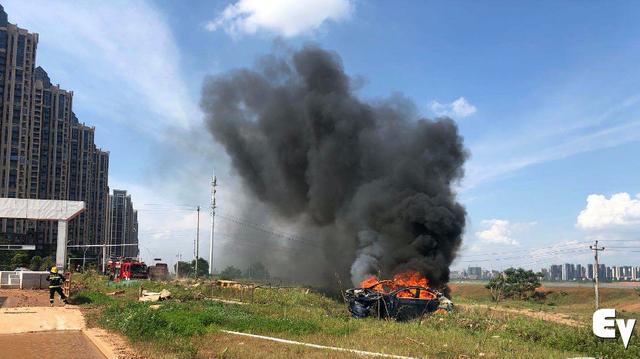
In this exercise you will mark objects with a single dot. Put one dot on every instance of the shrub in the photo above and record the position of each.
(36, 262)
(230, 272)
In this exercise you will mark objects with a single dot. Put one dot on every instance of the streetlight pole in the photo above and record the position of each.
(197, 241)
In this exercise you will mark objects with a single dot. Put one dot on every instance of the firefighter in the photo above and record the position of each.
(55, 280)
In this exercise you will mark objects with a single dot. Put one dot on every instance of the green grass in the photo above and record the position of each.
(138, 320)
(178, 326)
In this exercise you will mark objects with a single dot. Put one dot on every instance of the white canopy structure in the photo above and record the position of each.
(45, 210)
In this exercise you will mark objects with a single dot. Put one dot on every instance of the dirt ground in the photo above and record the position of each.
(552, 317)
(112, 345)
(13, 298)
(50, 345)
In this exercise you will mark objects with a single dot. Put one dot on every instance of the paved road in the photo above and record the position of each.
(50, 345)
(43, 332)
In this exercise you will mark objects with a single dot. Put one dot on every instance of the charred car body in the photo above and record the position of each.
(404, 303)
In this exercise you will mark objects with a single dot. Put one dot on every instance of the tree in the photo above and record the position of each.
(20, 259)
(514, 283)
(230, 272)
(47, 263)
(496, 287)
(36, 262)
(5, 256)
(184, 269)
(203, 267)
(257, 271)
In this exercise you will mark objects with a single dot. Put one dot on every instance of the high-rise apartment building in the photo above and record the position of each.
(45, 151)
(568, 271)
(602, 272)
(17, 63)
(555, 272)
(580, 272)
(123, 220)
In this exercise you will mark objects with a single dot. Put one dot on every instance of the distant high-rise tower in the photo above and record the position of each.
(568, 271)
(579, 273)
(123, 219)
(555, 272)
(590, 272)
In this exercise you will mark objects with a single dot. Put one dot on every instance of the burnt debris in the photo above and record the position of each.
(402, 304)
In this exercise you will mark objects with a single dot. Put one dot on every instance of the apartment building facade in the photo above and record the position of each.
(45, 151)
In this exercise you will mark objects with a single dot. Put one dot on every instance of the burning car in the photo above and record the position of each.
(404, 297)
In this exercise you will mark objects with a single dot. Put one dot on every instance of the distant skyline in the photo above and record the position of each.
(545, 94)
(562, 272)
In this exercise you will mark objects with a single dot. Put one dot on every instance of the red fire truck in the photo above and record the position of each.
(125, 269)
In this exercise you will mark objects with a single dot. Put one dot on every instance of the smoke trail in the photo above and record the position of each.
(372, 180)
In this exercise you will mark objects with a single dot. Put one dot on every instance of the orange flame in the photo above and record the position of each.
(399, 281)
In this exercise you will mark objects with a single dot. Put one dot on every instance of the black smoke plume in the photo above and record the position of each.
(371, 181)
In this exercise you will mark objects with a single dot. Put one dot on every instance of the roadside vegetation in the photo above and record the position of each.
(575, 302)
(189, 325)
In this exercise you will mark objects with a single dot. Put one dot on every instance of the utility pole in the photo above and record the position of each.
(179, 256)
(197, 241)
(213, 217)
(84, 257)
(104, 256)
(596, 270)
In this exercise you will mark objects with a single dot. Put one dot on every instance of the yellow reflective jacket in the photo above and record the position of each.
(55, 280)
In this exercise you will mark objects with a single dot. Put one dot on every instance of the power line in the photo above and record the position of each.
(168, 205)
(558, 252)
(539, 254)
(235, 240)
(265, 229)
(559, 246)
(548, 259)
(620, 240)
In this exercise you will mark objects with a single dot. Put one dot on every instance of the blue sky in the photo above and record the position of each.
(546, 95)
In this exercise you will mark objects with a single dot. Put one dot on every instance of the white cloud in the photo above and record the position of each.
(619, 211)
(120, 59)
(577, 118)
(459, 108)
(501, 160)
(282, 17)
(500, 231)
